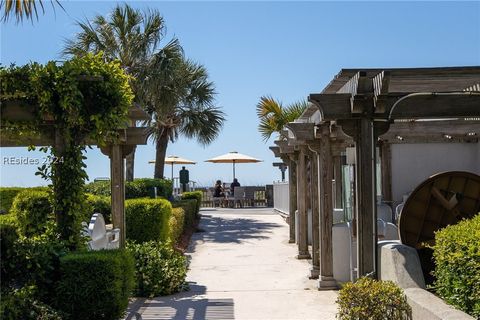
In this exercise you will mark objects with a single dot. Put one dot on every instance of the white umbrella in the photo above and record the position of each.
(233, 157)
(175, 160)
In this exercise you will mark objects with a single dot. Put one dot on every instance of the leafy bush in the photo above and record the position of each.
(98, 204)
(22, 304)
(197, 195)
(36, 262)
(95, 284)
(8, 236)
(176, 223)
(190, 208)
(457, 265)
(8, 194)
(138, 188)
(373, 300)
(147, 219)
(32, 210)
(159, 269)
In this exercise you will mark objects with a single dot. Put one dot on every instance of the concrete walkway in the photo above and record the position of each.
(242, 267)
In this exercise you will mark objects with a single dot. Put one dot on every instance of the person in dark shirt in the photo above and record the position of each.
(234, 184)
(218, 190)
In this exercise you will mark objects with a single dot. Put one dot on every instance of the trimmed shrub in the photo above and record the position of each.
(197, 195)
(95, 284)
(138, 188)
(176, 224)
(159, 269)
(8, 194)
(8, 236)
(147, 219)
(98, 204)
(22, 304)
(457, 265)
(190, 208)
(32, 210)
(373, 300)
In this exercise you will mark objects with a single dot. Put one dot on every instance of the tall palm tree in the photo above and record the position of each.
(23, 9)
(183, 104)
(134, 38)
(274, 116)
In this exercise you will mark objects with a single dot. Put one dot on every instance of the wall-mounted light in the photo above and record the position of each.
(471, 134)
(399, 138)
(447, 136)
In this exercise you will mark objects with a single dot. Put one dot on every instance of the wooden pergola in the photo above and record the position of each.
(129, 138)
(369, 108)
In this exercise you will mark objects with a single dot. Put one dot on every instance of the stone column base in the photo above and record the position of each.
(314, 272)
(291, 241)
(304, 255)
(327, 283)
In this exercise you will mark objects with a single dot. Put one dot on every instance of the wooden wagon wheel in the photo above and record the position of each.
(441, 200)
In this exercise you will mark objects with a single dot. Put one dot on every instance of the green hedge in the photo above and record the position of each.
(95, 284)
(8, 236)
(98, 204)
(190, 208)
(32, 209)
(176, 224)
(147, 219)
(197, 195)
(373, 300)
(138, 188)
(457, 265)
(8, 194)
(23, 304)
(159, 269)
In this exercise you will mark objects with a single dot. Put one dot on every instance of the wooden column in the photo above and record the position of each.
(386, 161)
(366, 209)
(302, 205)
(292, 187)
(337, 175)
(117, 179)
(314, 175)
(325, 165)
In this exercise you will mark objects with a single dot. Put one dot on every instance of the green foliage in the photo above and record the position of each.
(373, 300)
(35, 262)
(457, 265)
(159, 269)
(95, 284)
(8, 194)
(138, 188)
(84, 97)
(274, 116)
(23, 304)
(190, 208)
(147, 219)
(194, 195)
(176, 224)
(32, 210)
(8, 236)
(98, 204)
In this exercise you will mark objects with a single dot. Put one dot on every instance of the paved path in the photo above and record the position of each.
(242, 267)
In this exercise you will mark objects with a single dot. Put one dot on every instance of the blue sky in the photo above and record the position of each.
(284, 49)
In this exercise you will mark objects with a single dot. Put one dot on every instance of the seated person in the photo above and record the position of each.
(234, 184)
(218, 190)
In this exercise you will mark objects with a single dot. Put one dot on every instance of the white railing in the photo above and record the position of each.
(281, 197)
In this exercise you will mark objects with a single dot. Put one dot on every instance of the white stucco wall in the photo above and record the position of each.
(413, 163)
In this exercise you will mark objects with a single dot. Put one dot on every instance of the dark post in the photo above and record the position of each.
(184, 178)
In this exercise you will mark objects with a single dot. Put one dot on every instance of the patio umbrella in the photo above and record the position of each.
(233, 157)
(175, 160)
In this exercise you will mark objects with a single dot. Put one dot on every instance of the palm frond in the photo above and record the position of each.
(24, 9)
(204, 124)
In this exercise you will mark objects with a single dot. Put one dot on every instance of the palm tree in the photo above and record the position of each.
(133, 37)
(274, 116)
(183, 104)
(23, 9)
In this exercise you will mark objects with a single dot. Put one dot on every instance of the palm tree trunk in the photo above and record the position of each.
(130, 165)
(161, 151)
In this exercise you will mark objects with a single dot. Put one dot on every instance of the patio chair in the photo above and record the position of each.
(250, 196)
(101, 238)
(237, 198)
